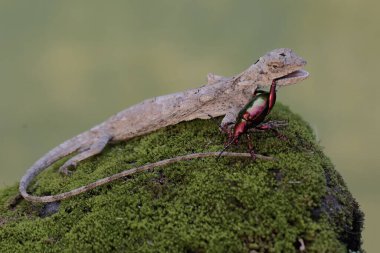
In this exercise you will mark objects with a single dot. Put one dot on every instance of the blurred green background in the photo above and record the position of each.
(68, 65)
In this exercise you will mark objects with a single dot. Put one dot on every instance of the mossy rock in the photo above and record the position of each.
(202, 205)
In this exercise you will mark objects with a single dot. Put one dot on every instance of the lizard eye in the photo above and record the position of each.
(282, 54)
(276, 65)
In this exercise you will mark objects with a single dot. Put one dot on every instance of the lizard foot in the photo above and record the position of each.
(94, 149)
(64, 169)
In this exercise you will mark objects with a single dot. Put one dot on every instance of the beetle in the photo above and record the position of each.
(252, 116)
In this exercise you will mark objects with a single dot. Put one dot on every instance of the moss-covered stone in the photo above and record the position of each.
(203, 205)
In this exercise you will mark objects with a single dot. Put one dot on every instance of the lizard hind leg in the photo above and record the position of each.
(95, 148)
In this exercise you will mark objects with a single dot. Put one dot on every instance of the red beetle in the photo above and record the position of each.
(252, 116)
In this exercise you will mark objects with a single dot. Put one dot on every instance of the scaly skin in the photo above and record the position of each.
(221, 96)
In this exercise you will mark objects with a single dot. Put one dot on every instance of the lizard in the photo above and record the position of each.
(220, 96)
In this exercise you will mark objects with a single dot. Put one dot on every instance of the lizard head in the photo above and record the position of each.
(282, 65)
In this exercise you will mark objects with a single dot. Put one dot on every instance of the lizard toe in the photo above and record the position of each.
(64, 169)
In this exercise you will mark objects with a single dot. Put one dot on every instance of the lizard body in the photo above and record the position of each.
(221, 96)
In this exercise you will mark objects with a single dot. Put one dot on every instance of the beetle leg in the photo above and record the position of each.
(272, 125)
(250, 147)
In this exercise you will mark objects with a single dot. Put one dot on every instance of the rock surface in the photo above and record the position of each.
(298, 203)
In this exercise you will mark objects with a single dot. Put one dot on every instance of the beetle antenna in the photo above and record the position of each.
(225, 147)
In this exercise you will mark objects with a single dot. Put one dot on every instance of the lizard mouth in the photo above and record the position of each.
(293, 77)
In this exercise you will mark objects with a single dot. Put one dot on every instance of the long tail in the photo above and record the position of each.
(52, 198)
(64, 149)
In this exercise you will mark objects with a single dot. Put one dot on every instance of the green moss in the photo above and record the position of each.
(204, 205)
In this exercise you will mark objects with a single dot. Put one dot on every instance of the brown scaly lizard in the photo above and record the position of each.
(220, 96)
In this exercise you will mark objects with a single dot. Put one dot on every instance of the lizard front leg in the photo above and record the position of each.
(231, 115)
(230, 118)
